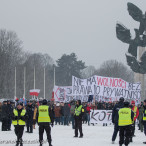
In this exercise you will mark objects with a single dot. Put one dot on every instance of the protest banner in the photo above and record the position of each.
(106, 87)
(101, 116)
(64, 94)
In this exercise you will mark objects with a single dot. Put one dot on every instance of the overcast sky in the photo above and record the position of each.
(85, 27)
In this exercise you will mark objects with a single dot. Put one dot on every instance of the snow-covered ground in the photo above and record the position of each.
(63, 136)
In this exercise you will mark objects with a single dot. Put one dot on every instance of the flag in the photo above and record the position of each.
(34, 92)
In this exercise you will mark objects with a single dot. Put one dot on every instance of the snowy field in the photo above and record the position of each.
(63, 136)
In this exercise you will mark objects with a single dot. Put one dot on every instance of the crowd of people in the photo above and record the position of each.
(75, 113)
(63, 113)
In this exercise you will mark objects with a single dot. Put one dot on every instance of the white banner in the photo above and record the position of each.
(101, 116)
(106, 87)
(64, 94)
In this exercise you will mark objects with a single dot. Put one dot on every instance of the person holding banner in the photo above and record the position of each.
(78, 118)
(125, 121)
(115, 116)
(136, 114)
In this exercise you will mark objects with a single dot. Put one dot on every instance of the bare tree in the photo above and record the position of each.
(88, 72)
(113, 68)
(10, 56)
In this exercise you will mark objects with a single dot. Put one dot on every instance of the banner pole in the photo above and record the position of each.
(15, 81)
(34, 80)
(44, 83)
(24, 80)
(54, 75)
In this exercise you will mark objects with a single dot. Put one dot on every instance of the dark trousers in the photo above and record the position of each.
(66, 120)
(78, 126)
(47, 128)
(29, 126)
(4, 124)
(133, 128)
(9, 123)
(124, 134)
(144, 124)
(19, 132)
(73, 121)
(57, 120)
(116, 129)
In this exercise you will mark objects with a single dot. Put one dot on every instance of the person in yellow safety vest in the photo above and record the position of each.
(45, 119)
(144, 118)
(18, 120)
(125, 121)
(136, 114)
(79, 110)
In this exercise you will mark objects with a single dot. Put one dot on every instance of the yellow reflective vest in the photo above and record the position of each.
(78, 110)
(144, 115)
(43, 114)
(124, 117)
(135, 110)
(18, 122)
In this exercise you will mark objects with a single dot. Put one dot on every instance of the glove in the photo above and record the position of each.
(16, 118)
(22, 118)
(52, 124)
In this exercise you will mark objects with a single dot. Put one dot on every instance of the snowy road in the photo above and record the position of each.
(63, 136)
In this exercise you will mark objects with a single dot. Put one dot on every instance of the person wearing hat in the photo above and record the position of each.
(144, 118)
(125, 120)
(4, 116)
(18, 120)
(115, 116)
(45, 119)
(136, 114)
(30, 114)
(79, 111)
(10, 113)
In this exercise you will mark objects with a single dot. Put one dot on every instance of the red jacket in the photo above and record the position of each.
(88, 108)
(136, 112)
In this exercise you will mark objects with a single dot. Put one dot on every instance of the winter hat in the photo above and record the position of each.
(132, 102)
(20, 103)
(126, 103)
(44, 102)
(121, 99)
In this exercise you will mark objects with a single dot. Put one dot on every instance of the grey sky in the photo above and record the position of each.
(86, 27)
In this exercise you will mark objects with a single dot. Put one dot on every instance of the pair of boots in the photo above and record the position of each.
(20, 141)
(41, 143)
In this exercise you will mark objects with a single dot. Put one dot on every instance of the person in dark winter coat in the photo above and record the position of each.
(0, 111)
(10, 113)
(144, 118)
(66, 114)
(79, 111)
(4, 116)
(72, 111)
(30, 113)
(115, 116)
(18, 120)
